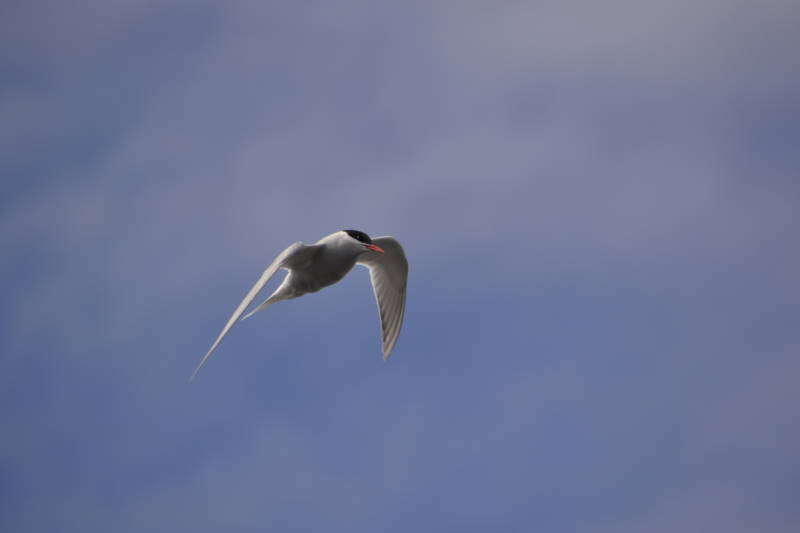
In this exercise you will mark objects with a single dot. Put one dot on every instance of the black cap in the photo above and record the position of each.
(360, 236)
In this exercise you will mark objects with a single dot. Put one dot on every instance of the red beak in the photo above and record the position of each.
(374, 247)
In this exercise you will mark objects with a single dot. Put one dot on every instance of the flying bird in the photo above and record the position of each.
(313, 267)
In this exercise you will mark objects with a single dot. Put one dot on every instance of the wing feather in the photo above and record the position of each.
(265, 277)
(389, 275)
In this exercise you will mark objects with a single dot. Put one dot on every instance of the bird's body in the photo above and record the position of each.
(313, 267)
(321, 265)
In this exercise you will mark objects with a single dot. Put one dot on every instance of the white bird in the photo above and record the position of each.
(312, 267)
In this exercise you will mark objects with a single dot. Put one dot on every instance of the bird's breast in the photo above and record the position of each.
(326, 270)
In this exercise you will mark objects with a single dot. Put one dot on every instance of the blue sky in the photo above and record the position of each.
(599, 205)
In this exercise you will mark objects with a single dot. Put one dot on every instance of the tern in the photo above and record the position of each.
(315, 266)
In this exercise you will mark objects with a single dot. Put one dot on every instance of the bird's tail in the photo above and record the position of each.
(269, 301)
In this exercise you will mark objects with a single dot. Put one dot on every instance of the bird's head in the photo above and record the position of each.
(363, 240)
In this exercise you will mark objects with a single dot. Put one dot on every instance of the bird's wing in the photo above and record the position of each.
(279, 261)
(388, 272)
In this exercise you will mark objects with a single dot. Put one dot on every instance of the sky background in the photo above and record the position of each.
(599, 203)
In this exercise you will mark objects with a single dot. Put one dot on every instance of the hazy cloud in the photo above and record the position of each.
(598, 202)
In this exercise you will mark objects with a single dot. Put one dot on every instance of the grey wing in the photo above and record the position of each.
(265, 277)
(389, 274)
